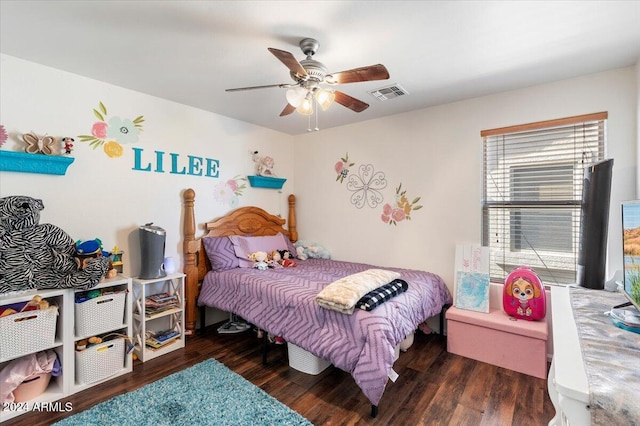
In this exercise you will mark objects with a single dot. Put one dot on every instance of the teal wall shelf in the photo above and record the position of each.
(12, 161)
(266, 182)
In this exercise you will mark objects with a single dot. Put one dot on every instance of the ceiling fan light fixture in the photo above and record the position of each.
(325, 98)
(296, 96)
(306, 106)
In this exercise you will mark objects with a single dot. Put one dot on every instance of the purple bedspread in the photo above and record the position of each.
(282, 301)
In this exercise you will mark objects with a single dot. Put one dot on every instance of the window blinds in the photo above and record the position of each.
(532, 194)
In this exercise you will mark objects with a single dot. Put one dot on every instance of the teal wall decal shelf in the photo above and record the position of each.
(266, 182)
(13, 161)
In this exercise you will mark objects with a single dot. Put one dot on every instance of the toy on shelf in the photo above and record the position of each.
(68, 145)
(39, 145)
(264, 165)
(116, 259)
(91, 249)
(37, 303)
(39, 256)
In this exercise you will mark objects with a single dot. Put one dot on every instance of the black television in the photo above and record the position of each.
(594, 223)
(631, 251)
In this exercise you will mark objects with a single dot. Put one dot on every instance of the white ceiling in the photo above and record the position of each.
(439, 51)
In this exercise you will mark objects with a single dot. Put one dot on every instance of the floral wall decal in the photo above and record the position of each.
(366, 186)
(111, 133)
(402, 210)
(3, 135)
(342, 168)
(228, 192)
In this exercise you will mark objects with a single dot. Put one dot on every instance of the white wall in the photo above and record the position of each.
(102, 197)
(437, 154)
(638, 128)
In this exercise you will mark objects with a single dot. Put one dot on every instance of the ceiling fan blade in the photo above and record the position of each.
(370, 73)
(238, 89)
(287, 110)
(350, 102)
(289, 60)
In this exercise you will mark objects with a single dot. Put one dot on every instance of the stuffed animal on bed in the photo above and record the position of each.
(39, 256)
(311, 250)
(260, 258)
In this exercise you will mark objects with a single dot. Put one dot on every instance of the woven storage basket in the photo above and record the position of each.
(100, 314)
(31, 387)
(304, 361)
(27, 332)
(99, 361)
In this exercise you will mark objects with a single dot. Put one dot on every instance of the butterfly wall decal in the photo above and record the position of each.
(36, 145)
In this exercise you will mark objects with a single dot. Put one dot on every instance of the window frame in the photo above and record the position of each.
(512, 147)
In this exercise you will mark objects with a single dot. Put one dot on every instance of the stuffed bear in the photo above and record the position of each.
(311, 250)
(39, 256)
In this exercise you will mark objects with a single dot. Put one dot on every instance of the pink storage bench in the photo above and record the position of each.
(498, 339)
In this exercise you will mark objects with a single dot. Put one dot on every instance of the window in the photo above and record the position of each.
(532, 192)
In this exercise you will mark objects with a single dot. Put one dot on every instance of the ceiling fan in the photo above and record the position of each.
(309, 76)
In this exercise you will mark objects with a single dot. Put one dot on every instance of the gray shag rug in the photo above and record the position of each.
(205, 394)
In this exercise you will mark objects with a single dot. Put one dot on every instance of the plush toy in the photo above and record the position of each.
(87, 250)
(311, 250)
(264, 165)
(281, 258)
(39, 256)
(260, 258)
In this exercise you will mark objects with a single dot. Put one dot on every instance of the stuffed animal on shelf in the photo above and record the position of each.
(264, 165)
(39, 256)
(83, 344)
(91, 249)
(35, 304)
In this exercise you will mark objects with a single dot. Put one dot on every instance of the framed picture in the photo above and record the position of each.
(472, 278)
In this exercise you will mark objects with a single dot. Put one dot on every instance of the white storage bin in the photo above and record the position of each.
(27, 332)
(99, 361)
(100, 314)
(304, 361)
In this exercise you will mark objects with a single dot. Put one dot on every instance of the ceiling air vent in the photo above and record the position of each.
(389, 92)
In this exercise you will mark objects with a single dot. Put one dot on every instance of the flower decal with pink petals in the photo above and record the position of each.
(3, 135)
(342, 168)
(230, 191)
(113, 132)
(402, 209)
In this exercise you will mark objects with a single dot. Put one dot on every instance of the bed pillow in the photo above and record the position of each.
(220, 252)
(292, 248)
(378, 296)
(244, 246)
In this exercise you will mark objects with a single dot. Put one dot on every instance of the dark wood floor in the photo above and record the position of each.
(434, 388)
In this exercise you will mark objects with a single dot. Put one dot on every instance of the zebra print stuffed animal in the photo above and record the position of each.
(39, 256)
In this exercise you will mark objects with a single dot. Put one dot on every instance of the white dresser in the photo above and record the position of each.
(568, 387)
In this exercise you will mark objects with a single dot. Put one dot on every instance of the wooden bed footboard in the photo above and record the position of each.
(249, 220)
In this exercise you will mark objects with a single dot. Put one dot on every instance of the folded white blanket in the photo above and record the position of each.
(342, 295)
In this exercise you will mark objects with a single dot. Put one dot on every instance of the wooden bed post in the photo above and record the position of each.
(291, 222)
(190, 249)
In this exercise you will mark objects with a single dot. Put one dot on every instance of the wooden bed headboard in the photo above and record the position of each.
(241, 221)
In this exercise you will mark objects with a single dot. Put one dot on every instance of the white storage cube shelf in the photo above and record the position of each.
(60, 328)
(305, 361)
